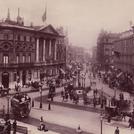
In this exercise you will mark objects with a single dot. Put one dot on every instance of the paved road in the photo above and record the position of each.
(71, 118)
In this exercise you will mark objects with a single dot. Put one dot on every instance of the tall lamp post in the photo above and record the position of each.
(114, 92)
(78, 77)
(40, 90)
(101, 121)
(84, 81)
(8, 106)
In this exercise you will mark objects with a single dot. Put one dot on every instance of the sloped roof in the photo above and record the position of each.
(48, 29)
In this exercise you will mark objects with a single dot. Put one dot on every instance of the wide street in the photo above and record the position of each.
(71, 117)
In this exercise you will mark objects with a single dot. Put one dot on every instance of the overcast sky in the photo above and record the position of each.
(84, 19)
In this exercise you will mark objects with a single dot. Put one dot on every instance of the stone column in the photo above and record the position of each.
(37, 50)
(50, 47)
(44, 45)
(55, 50)
(20, 77)
(1, 77)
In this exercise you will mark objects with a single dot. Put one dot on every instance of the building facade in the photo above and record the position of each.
(125, 47)
(105, 49)
(29, 52)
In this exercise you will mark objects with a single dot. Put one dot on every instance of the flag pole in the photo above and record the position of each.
(44, 16)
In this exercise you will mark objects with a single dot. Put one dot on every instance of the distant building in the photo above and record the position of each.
(125, 48)
(76, 54)
(94, 55)
(105, 49)
(29, 52)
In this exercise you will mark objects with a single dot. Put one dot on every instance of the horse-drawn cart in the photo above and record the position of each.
(113, 113)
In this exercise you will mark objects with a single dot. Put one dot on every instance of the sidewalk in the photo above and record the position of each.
(27, 89)
(71, 118)
(31, 129)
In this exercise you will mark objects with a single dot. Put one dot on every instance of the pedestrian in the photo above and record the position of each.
(14, 126)
(117, 131)
(66, 96)
(8, 129)
(130, 122)
(78, 130)
(123, 116)
(109, 118)
(63, 95)
(94, 102)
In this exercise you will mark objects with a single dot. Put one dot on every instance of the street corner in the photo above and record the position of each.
(117, 123)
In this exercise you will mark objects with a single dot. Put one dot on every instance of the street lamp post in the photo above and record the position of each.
(84, 82)
(78, 77)
(8, 106)
(101, 121)
(114, 92)
(40, 90)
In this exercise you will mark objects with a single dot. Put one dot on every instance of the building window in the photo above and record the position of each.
(5, 36)
(27, 38)
(18, 37)
(24, 38)
(29, 58)
(23, 59)
(30, 39)
(36, 74)
(33, 39)
(5, 59)
(17, 59)
(21, 38)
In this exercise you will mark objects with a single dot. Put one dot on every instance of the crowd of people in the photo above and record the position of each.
(123, 81)
(69, 92)
(6, 127)
(21, 104)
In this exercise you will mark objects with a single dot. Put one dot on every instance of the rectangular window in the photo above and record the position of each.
(36, 74)
(29, 58)
(27, 38)
(5, 36)
(18, 37)
(5, 59)
(24, 38)
(23, 58)
(17, 59)
(33, 39)
(10, 37)
(30, 39)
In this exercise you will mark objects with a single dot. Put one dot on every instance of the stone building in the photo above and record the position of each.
(29, 52)
(105, 49)
(125, 48)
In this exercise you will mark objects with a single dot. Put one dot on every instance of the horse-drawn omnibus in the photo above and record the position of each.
(21, 105)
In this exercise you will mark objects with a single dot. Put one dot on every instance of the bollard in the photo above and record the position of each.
(49, 106)
(109, 119)
(3, 110)
(32, 103)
